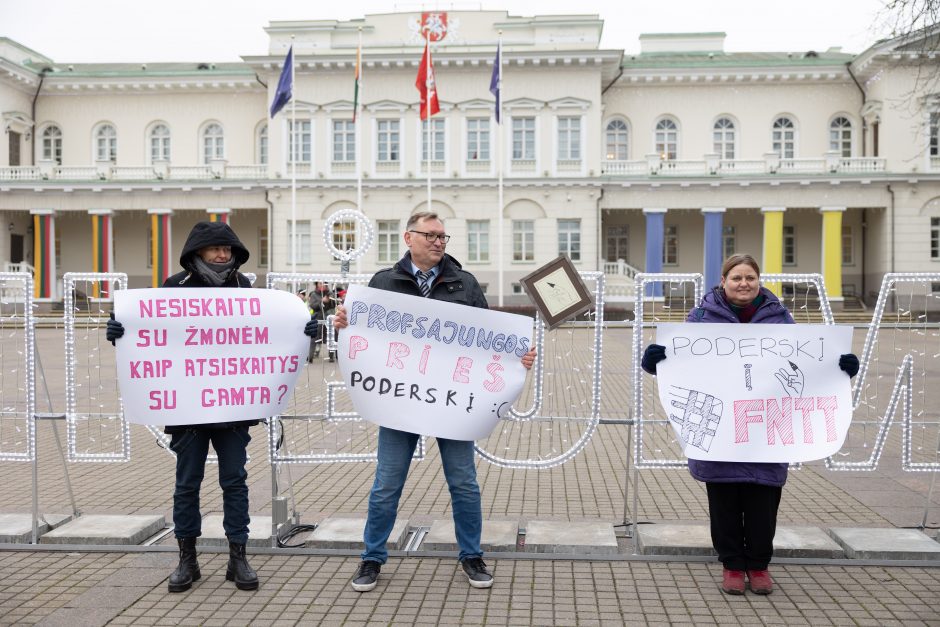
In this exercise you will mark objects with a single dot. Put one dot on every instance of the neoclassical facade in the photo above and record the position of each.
(663, 160)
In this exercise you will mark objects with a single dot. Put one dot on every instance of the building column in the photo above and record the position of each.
(711, 265)
(832, 249)
(655, 233)
(102, 250)
(772, 257)
(44, 270)
(219, 215)
(161, 244)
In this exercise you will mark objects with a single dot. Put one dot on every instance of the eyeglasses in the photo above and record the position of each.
(432, 236)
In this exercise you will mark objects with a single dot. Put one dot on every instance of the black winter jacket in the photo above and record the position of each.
(209, 234)
(453, 284)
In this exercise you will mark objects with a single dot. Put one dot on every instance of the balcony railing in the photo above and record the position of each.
(771, 164)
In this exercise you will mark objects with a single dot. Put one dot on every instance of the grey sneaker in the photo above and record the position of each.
(476, 571)
(366, 576)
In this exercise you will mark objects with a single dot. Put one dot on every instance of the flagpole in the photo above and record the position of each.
(357, 121)
(499, 162)
(427, 109)
(292, 148)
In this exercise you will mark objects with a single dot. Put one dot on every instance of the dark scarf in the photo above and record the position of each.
(214, 274)
(746, 312)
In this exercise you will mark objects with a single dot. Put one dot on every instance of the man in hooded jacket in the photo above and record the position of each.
(211, 257)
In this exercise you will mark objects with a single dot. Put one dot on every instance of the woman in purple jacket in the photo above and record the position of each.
(743, 497)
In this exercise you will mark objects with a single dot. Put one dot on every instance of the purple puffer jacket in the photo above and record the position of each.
(715, 308)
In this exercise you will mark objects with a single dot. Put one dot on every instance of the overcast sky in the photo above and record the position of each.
(82, 31)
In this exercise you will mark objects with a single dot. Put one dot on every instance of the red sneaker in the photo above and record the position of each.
(760, 581)
(732, 581)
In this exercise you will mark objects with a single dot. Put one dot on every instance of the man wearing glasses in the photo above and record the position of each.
(425, 270)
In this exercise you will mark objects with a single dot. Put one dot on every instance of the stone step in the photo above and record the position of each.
(497, 536)
(106, 529)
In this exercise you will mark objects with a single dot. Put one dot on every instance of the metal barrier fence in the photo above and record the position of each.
(557, 416)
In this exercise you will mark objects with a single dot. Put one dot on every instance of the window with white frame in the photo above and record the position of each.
(723, 136)
(263, 145)
(784, 138)
(671, 245)
(840, 136)
(388, 234)
(213, 142)
(52, 144)
(618, 242)
(300, 141)
(616, 137)
(523, 139)
(478, 240)
(935, 238)
(478, 139)
(344, 141)
(569, 239)
(263, 247)
(304, 242)
(935, 134)
(847, 246)
(437, 139)
(344, 235)
(789, 245)
(729, 241)
(106, 143)
(569, 138)
(159, 143)
(387, 140)
(523, 240)
(667, 139)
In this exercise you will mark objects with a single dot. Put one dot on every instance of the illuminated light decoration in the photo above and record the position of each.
(366, 230)
(903, 382)
(532, 412)
(277, 454)
(16, 288)
(114, 281)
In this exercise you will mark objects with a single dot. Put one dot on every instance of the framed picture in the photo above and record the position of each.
(557, 291)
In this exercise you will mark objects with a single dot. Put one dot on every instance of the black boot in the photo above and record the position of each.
(187, 571)
(238, 569)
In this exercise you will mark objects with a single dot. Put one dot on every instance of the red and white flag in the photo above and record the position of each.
(426, 84)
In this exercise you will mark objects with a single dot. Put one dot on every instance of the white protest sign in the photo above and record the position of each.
(426, 366)
(756, 392)
(202, 355)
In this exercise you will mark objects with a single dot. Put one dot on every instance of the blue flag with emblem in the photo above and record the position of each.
(285, 85)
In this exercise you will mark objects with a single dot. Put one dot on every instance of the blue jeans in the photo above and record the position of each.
(192, 448)
(395, 451)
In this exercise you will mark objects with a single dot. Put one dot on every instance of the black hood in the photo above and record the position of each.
(212, 234)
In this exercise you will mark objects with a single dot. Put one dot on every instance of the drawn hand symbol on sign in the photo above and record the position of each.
(792, 381)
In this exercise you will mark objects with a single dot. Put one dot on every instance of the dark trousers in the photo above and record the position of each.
(743, 523)
(192, 448)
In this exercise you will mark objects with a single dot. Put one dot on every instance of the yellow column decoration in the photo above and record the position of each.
(832, 249)
(772, 262)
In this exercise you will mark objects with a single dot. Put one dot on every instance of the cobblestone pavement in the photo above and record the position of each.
(91, 588)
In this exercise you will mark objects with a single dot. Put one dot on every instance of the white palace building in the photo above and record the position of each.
(663, 160)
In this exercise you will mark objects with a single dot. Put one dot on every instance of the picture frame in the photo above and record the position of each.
(557, 291)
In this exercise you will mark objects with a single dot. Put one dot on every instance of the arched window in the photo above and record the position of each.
(840, 136)
(159, 143)
(667, 139)
(263, 145)
(723, 136)
(784, 138)
(106, 143)
(213, 143)
(52, 144)
(616, 141)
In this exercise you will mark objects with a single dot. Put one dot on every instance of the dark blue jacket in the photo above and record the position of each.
(209, 234)
(453, 284)
(715, 308)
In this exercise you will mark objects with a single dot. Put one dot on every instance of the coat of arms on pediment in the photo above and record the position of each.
(439, 27)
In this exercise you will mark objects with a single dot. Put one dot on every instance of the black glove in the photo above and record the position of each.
(848, 363)
(653, 354)
(310, 329)
(114, 331)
